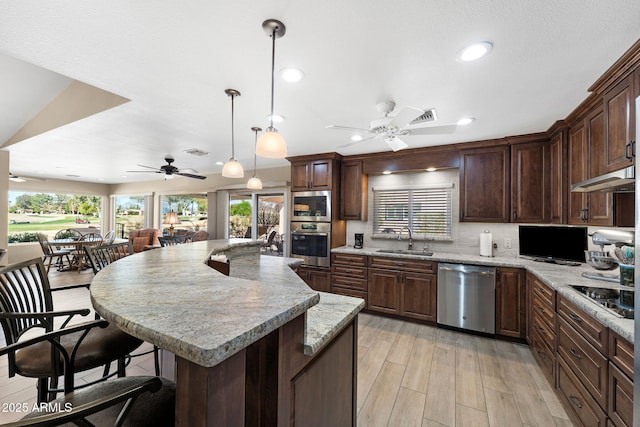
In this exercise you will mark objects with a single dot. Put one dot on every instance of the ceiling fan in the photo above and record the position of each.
(22, 178)
(169, 170)
(391, 128)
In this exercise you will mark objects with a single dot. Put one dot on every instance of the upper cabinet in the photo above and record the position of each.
(317, 172)
(619, 110)
(530, 182)
(354, 192)
(559, 186)
(484, 184)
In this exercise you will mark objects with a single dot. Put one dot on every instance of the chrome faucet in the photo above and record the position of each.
(410, 236)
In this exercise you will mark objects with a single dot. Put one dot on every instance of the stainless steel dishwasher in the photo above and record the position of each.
(467, 297)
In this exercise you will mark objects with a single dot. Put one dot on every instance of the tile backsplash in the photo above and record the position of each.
(466, 235)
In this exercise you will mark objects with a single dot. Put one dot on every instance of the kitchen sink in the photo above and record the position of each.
(404, 252)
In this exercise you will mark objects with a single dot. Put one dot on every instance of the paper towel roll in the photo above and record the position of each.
(486, 243)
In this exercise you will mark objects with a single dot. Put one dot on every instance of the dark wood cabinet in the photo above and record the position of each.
(349, 275)
(542, 320)
(317, 278)
(354, 192)
(403, 287)
(619, 110)
(559, 185)
(484, 184)
(311, 175)
(577, 154)
(530, 172)
(511, 310)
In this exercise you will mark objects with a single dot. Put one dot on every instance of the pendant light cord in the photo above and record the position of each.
(273, 68)
(233, 154)
(255, 155)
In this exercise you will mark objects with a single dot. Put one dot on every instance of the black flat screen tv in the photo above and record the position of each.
(553, 243)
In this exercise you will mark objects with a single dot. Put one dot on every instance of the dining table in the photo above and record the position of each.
(78, 262)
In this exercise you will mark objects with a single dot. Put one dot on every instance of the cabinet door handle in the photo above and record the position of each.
(584, 214)
(348, 271)
(515, 214)
(540, 309)
(575, 317)
(399, 264)
(542, 354)
(575, 353)
(628, 151)
(576, 402)
(540, 328)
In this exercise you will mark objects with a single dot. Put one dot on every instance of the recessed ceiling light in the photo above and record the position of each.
(219, 163)
(291, 75)
(465, 121)
(474, 51)
(386, 173)
(431, 169)
(277, 118)
(356, 138)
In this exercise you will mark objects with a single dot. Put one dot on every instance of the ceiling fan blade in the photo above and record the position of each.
(432, 130)
(187, 170)
(23, 178)
(150, 167)
(190, 175)
(357, 142)
(352, 129)
(404, 116)
(395, 143)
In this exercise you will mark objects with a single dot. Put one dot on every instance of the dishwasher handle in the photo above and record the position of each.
(470, 272)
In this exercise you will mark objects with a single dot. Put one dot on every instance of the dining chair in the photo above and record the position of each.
(49, 253)
(101, 256)
(110, 237)
(171, 241)
(68, 233)
(127, 401)
(26, 307)
(79, 255)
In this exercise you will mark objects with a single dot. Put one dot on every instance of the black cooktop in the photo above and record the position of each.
(616, 301)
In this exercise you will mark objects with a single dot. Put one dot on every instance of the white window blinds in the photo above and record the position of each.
(426, 211)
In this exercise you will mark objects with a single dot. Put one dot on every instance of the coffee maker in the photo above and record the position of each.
(359, 242)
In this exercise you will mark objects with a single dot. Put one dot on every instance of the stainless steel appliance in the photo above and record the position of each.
(616, 301)
(359, 241)
(311, 241)
(603, 259)
(467, 297)
(311, 206)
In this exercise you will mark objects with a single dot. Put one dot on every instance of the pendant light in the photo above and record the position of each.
(232, 169)
(271, 144)
(255, 183)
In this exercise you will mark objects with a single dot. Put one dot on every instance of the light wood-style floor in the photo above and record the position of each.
(409, 374)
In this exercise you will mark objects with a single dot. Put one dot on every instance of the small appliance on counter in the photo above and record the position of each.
(359, 242)
(618, 259)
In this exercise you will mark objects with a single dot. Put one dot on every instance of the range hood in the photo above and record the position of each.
(622, 180)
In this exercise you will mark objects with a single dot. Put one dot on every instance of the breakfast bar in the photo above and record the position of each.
(238, 338)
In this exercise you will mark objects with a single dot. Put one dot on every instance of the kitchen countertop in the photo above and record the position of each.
(171, 298)
(558, 277)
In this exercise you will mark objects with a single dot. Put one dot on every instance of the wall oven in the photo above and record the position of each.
(311, 206)
(311, 242)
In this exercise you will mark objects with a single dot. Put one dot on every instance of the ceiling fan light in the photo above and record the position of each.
(232, 169)
(271, 145)
(254, 184)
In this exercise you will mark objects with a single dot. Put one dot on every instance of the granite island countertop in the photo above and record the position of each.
(171, 298)
(558, 277)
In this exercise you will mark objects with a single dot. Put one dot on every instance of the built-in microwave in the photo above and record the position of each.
(310, 206)
(311, 242)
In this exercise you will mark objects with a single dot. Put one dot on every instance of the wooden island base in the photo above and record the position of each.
(272, 383)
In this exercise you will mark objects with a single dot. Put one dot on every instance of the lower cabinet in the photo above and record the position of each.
(511, 311)
(349, 275)
(317, 278)
(404, 287)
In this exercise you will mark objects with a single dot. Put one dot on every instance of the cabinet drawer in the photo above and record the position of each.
(545, 356)
(544, 293)
(621, 353)
(592, 330)
(349, 282)
(620, 408)
(541, 327)
(579, 398)
(348, 270)
(543, 311)
(587, 363)
(349, 259)
(403, 264)
(349, 292)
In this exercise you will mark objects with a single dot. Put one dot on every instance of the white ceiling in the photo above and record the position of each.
(175, 59)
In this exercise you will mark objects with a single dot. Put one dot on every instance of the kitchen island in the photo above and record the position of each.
(237, 339)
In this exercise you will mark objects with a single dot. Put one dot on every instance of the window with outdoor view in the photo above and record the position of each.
(426, 211)
(191, 210)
